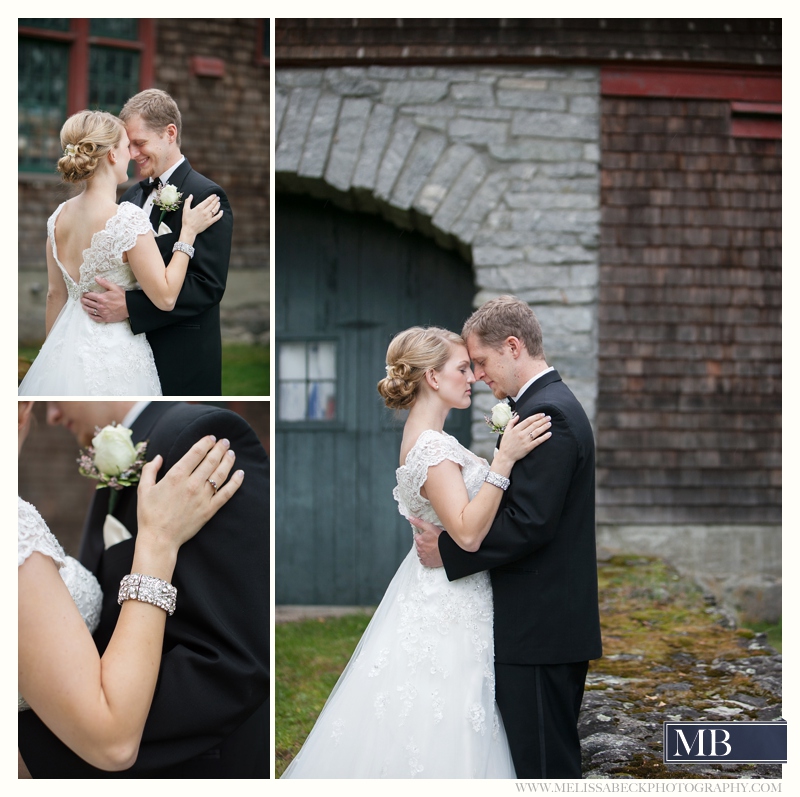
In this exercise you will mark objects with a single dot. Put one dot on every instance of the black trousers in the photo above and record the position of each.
(540, 704)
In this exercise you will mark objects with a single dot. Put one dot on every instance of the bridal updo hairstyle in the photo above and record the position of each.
(86, 138)
(411, 353)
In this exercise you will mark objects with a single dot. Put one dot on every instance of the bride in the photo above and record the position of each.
(417, 697)
(89, 236)
(98, 706)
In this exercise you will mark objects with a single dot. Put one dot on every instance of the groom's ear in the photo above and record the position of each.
(515, 345)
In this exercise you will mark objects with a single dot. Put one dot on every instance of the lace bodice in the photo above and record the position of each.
(104, 255)
(34, 536)
(430, 449)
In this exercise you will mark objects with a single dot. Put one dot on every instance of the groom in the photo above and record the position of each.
(210, 712)
(540, 550)
(186, 341)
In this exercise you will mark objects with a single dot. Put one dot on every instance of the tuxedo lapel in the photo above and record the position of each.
(177, 179)
(92, 545)
(528, 396)
(91, 549)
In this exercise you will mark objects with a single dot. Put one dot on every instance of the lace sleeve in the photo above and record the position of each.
(129, 223)
(33, 535)
(430, 449)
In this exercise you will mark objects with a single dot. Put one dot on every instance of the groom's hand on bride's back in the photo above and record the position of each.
(109, 307)
(426, 540)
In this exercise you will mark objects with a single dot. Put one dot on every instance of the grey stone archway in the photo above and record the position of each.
(500, 163)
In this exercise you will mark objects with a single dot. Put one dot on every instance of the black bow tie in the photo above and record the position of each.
(150, 185)
(511, 403)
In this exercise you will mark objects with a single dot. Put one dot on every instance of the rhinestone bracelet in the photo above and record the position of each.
(148, 589)
(497, 480)
(187, 249)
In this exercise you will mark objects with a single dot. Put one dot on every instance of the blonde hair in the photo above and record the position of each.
(157, 110)
(411, 353)
(503, 317)
(86, 138)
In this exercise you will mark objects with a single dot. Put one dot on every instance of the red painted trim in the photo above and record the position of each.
(147, 35)
(78, 86)
(767, 108)
(707, 84)
(756, 128)
(260, 60)
(41, 33)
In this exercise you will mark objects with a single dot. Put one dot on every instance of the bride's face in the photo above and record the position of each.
(121, 158)
(455, 379)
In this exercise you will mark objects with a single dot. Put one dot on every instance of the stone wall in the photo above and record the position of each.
(500, 163)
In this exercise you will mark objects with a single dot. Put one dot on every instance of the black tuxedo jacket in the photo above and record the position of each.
(540, 549)
(186, 341)
(210, 712)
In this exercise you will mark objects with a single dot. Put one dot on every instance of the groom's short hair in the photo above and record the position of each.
(156, 108)
(503, 317)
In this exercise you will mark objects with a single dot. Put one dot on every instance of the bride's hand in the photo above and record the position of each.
(200, 218)
(521, 437)
(174, 510)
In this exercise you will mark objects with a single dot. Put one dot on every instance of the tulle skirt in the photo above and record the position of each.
(84, 358)
(417, 698)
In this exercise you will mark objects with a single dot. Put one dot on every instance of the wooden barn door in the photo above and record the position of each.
(345, 284)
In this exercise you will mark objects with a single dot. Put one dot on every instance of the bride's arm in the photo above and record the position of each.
(56, 290)
(98, 707)
(468, 522)
(162, 285)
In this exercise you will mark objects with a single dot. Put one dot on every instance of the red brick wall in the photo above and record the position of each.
(225, 134)
(688, 424)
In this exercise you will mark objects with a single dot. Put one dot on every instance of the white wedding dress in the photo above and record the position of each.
(34, 536)
(82, 357)
(417, 698)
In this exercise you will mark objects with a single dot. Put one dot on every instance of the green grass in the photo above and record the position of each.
(309, 657)
(774, 632)
(655, 624)
(245, 368)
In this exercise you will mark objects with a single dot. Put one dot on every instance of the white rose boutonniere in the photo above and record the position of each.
(168, 198)
(501, 415)
(112, 459)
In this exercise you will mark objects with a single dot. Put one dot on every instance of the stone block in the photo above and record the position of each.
(421, 161)
(352, 83)
(526, 149)
(281, 101)
(472, 93)
(350, 129)
(387, 72)
(414, 91)
(447, 169)
(486, 198)
(402, 139)
(585, 105)
(297, 118)
(536, 99)
(377, 134)
(475, 131)
(460, 193)
(320, 134)
(298, 78)
(548, 124)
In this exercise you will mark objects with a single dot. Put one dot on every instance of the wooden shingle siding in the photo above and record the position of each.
(689, 403)
(746, 42)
